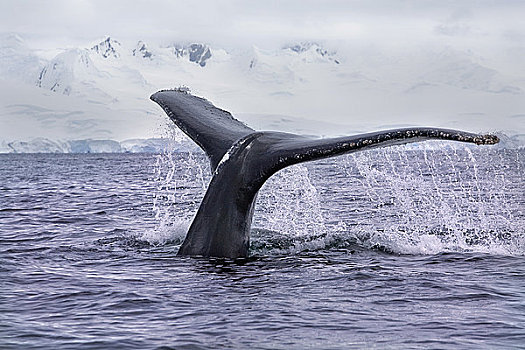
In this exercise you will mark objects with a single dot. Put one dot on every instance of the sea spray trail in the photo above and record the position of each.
(175, 199)
(450, 201)
(177, 180)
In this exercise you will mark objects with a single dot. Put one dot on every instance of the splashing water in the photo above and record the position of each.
(397, 199)
(290, 204)
(288, 216)
(180, 182)
(441, 201)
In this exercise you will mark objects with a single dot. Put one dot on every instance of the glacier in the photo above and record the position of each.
(43, 145)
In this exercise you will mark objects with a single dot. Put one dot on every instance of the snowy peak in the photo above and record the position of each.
(199, 54)
(291, 64)
(72, 73)
(142, 51)
(59, 74)
(196, 53)
(108, 48)
(312, 51)
(305, 46)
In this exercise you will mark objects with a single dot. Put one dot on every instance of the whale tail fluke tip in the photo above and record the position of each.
(487, 140)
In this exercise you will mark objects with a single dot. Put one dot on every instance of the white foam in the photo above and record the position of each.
(165, 232)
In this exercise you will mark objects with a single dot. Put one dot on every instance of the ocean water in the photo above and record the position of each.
(388, 249)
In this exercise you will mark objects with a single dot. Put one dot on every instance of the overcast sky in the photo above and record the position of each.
(54, 23)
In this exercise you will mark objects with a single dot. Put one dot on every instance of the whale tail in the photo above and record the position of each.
(242, 159)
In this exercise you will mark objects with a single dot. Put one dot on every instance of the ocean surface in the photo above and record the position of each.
(395, 248)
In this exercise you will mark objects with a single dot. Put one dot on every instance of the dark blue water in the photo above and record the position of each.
(392, 249)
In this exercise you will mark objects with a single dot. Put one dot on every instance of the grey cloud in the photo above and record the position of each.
(59, 22)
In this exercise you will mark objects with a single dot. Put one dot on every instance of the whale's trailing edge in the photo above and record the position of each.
(242, 159)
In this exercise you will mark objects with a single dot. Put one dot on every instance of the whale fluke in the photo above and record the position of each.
(213, 129)
(242, 159)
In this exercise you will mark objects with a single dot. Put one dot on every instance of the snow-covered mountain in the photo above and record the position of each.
(196, 53)
(100, 91)
(141, 50)
(108, 48)
(74, 72)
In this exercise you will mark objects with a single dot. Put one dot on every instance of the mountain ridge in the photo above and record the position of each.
(100, 90)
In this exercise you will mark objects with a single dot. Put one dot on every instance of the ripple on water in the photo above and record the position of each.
(88, 256)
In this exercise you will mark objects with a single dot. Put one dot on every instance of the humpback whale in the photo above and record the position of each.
(242, 159)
